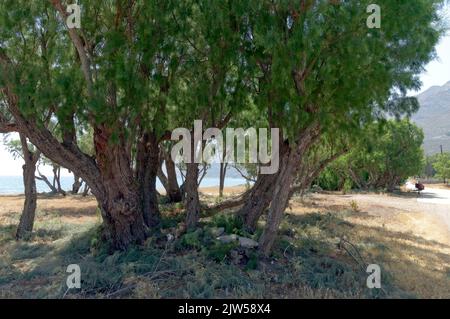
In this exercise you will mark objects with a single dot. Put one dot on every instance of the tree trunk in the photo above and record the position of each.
(170, 181)
(147, 169)
(257, 201)
(122, 216)
(29, 208)
(277, 206)
(118, 193)
(109, 175)
(281, 193)
(223, 172)
(260, 195)
(57, 179)
(192, 197)
(44, 178)
(86, 190)
(77, 183)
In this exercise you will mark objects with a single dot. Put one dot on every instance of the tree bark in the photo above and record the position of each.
(281, 193)
(26, 222)
(257, 201)
(109, 175)
(44, 178)
(77, 183)
(146, 172)
(170, 181)
(260, 195)
(192, 197)
(119, 197)
(86, 190)
(57, 179)
(223, 172)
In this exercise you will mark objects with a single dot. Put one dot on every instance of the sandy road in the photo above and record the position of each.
(427, 214)
(436, 201)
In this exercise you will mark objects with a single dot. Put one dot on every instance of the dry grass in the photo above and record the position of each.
(412, 248)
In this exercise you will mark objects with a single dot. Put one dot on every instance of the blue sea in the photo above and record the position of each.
(13, 185)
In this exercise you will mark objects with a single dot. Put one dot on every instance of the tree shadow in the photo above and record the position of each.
(423, 262)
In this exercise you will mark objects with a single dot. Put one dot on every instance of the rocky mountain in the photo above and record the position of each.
(434, 118)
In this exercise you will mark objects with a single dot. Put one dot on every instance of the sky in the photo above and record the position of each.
(437, 73)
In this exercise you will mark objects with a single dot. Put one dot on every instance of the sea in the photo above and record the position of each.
(13, 185)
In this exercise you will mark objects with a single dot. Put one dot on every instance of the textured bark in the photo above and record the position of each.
(261, 195)
(170, 181)
(146, 172)
(257, 201)
(281, 193)
(29, 208)
(192, 197)
(110, 175)
(223, 172)
(122, 216)
(119, 199)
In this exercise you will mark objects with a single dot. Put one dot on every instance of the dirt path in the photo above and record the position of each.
(427, 215)
(436, 201)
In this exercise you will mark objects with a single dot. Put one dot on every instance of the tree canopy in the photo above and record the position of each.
(136, 70)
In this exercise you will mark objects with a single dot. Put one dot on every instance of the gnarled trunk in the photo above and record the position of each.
(146, 172)
(257, 201)
(283, 183)
(118, 193)
(109, 175)
(122, 216)
(280, 198)
(260, 195)
(29, 208)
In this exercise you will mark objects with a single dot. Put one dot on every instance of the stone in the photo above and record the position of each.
(226, 239)
(217, 231)
(247, 242)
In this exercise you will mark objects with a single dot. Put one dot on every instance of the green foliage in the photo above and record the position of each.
(329, 179)
(230, 222)
(219, 251)
(354, 206)
(430, 161)
(442, 166)
(193, 239)
(385, 156)
(14, 147)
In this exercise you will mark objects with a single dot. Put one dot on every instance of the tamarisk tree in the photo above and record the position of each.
(112, 75)
(323, 69)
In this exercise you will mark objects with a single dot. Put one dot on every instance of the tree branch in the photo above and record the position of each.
(78, 43)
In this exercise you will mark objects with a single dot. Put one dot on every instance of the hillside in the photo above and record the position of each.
(434, 118)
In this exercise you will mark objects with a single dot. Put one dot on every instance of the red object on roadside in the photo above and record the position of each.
(420, 186)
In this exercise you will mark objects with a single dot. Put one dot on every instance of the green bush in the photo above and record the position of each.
(231, 223)
(219, 251)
